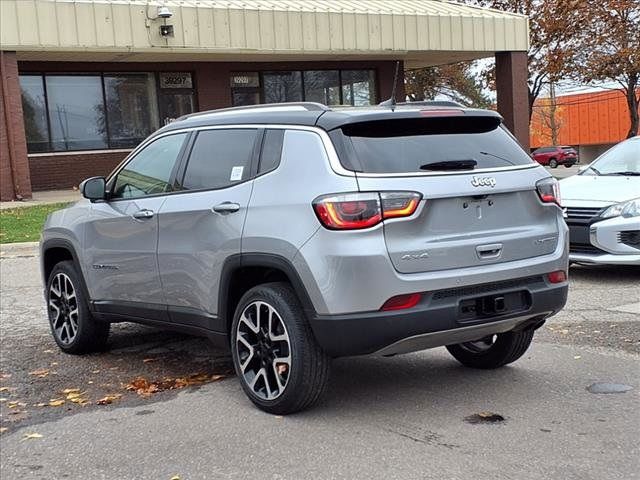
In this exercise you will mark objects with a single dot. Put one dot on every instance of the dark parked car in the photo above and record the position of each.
(554, 156)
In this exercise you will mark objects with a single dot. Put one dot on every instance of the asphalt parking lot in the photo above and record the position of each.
(406, 417)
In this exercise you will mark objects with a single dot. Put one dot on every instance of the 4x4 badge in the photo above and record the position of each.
(483, 182)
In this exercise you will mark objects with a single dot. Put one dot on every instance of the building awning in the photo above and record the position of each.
(420, 32)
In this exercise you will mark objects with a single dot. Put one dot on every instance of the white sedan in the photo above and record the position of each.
(602, 207)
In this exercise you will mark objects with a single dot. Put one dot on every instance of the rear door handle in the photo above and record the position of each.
(143, 214)
(226, 207)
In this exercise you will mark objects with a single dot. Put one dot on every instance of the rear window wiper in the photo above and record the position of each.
(450, 165)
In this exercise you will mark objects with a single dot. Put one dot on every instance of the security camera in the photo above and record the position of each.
(164, 12)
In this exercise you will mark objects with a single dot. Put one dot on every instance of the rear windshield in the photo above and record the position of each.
(406, 145)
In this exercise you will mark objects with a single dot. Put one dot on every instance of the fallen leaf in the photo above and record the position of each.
(577, 357)
(41, 372)
(90, 382)
(175, 477)
(47, 351)
(29, 436)
(5, 389)
(3, 399)
(109, 399)
(56, 402)
(53, 364)
(41, 404)
(148, 360)
(95, 371)
(3, 429)
(70, 390)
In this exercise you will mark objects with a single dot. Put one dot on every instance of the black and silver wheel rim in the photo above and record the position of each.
(263, 350)
(480, 346)
(63, 309)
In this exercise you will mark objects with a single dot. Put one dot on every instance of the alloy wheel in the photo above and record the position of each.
(263, 350)
(63, 309)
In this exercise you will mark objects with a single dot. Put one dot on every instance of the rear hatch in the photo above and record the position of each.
(479, 201)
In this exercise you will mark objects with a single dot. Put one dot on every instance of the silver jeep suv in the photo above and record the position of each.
(294, 233)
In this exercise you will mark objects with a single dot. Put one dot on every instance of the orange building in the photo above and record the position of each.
(591, 122)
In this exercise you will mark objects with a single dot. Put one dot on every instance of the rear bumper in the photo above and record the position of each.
(436, 321)
(605, 259)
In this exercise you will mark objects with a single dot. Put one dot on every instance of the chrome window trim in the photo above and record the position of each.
(330, 150)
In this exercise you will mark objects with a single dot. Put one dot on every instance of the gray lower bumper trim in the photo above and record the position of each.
(605, 258)
(451, 337)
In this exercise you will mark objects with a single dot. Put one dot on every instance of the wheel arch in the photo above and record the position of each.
(54, 251)
(244, 271)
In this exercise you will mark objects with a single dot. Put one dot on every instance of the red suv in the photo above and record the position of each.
(554, 156)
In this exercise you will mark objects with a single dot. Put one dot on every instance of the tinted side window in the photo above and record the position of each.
(149, 172)
(271, 150)
(220, 158)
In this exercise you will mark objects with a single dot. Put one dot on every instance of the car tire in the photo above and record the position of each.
(73, 327)
(502, 349)
(553, 163)
(569, 165)
(300, 379)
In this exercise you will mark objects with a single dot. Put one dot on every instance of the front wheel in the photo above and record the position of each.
(73, 327)
(281, 367)
(493, 351)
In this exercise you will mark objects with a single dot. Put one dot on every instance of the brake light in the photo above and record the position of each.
(401, 302)
(558, 276)
(441, 112)
(355, 211)
(549, 190)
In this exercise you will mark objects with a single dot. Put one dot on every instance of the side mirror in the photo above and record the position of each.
(94, 188)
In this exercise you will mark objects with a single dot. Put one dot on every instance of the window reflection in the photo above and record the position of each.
(76, 112)
(131, 108)
(34, 111)
(322, 86)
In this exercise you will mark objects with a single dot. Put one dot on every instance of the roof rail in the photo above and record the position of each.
(433, 103)
(284, 107)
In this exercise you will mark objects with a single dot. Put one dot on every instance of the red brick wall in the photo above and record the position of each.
(14, 168)
(58, 171)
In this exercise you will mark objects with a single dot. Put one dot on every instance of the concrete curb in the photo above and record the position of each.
(16, 250)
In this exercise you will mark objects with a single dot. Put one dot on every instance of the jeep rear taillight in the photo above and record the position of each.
(549, 190)
(355, 211)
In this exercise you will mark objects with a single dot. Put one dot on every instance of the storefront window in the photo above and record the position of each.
(131, 108)
(358, 87)
(76, 112)
(322, 86)
(282, 87)
(89, 112)
(34, 111)
(330, 87)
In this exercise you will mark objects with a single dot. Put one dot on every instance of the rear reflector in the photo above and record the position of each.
(557, 277)
(401, 302)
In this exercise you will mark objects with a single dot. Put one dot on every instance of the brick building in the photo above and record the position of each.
(84, 81)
